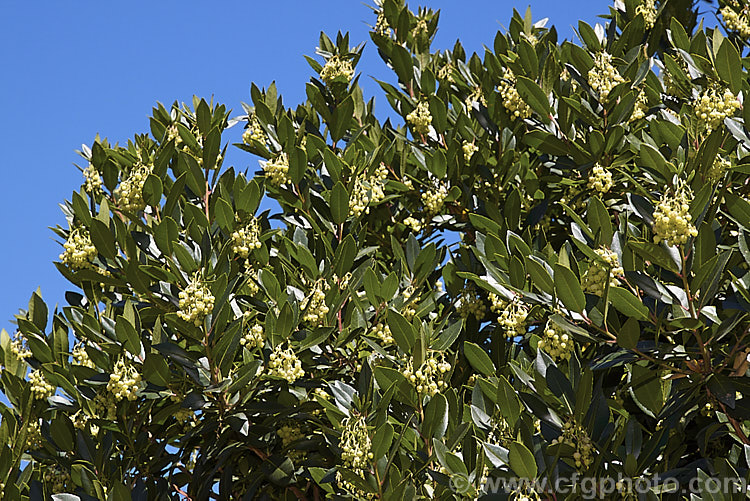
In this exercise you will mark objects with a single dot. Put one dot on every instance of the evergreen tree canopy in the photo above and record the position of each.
(538, 269)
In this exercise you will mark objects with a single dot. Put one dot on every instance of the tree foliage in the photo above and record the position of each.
(537, 267)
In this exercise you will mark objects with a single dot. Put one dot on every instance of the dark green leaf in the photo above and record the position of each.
(103, 239)
(521, 460)
(339, 203)
(729, 65)
(152, 190)
(627, 303)
(568, 289)
(534, 96)
(403, 332)
(224, 214)
(478, 358)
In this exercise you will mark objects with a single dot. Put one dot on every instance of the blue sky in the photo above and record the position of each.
(75, 69)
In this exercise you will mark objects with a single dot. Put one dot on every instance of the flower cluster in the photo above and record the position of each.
(672, 219)
(434, 198)
(556, 342)
(105, 406)
(512, 100)
(251, 281)
(284, 364)
(600, 179)
(368, 191)
(715, 104)
(356, 446)
(18, 347)
(604, 270)
(575, 436)
(469, 149)
(427, 378)
(315, 304)
(512, 319)
(92, 180)
(343, 282)
(57, 479)
(573, 199)
(185, 416)
(381, 25)
(736, 21)
(247, 238)
(277, 170)
(647, 8)
(501, 432)
(196, 302)
(470, 302)
(81, 420)
(413, 223)
(531, 38)
(383, 332)
(253, 338)
(125, 381)
(641, 106)
(420, 118)
(79, 251)
(254, 131)
(173, 132)
(409, 309)
(337, 69)
(289, 433)
(40, 388)
(322, 394)
(476, 96)
(445, 73)
(603, 77)
(130, 192)
(497, 303)
(81, 357)
(718, 168)
(33, 436)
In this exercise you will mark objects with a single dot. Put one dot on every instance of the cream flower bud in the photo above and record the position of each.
(434, 198)
(714, 104)
(604, 270)
(79, 251)
(277, 170)
(420, 119)
(647, 8)
(428, 379)
(129, 194)
(40, 388)
(603, 77)
(92, 180)
(368, 191)
(246, 239)
(469, 303)
(336, 67)
(511, 99)
(736, 21)
(314, 306)
(196, 302)
(81, 357)
(284, 364)
(254, 131)
(253, 338)
(671, 217)
(125, 381)
(554, 341)
(355, 443)
(600, 179)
